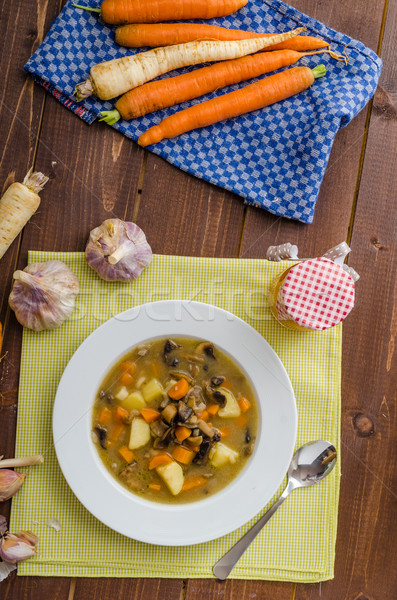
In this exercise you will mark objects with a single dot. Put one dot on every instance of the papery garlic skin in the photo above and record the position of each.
(10, 482)
(43, 294)
(118, 250)
(15, 548)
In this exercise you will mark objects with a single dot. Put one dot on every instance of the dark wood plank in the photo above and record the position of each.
(22, 29)
(365, 566)
(237, 589)
(35, 588)
(185, 215)
(133, 589)
(333, 210)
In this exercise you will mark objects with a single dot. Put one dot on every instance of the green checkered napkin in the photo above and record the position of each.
(298, 543)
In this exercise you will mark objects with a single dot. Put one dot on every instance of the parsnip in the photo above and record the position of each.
(17, 205)
(115, 77)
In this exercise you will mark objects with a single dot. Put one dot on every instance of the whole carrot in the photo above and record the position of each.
(115, 77)
(156, 95)
(138, 35)
(116, 12)
(252, 97)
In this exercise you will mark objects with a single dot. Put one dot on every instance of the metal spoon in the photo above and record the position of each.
(310, 464)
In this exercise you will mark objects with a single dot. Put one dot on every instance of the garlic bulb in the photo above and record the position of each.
(118, 251)
(43, 294)
(10, 482)
(17, 547)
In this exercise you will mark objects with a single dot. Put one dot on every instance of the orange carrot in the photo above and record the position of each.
(244, 404)
(139, 35)
(212, 409)
(204, 415)
(252, 97)
(128, 367)
(194, 482)
(150, 414)
(155, 487)
(158, 460)
(183, 455)
(154, 11)
(105, 416)
(126, 454)
(179, 390)
(224, 431)
(241, 421)
(126, 379)
(116, 432)
(156, 95)
(121, 413)
(227, 385)
(182, 433)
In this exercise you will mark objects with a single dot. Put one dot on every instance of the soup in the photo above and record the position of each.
(175, 420)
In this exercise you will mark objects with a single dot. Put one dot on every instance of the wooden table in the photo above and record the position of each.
(97, 173)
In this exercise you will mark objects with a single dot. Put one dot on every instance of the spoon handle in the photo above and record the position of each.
(222, 568)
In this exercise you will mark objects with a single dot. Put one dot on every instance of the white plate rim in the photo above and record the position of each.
(171, 525)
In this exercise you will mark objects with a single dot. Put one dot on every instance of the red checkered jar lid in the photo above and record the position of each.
(316, 294)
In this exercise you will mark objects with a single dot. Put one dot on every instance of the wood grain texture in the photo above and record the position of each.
(21, 106)
(133, 589)
(235, 589)
(366, 545)
(185, 215)
(34, 588)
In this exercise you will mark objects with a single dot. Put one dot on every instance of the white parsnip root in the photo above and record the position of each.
(25, 461)
(17, 205)
(115, 77)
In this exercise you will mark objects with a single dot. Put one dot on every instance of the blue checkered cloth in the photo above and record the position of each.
(275, 158)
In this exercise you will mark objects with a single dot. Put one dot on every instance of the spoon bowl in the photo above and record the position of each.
(309, 465)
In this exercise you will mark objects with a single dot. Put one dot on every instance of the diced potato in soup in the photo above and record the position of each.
(139, 435)
(173, 430)
(122, 394)
(134, 400)
(223, 455)
(152, 391)
(231, 408)
(172, 475)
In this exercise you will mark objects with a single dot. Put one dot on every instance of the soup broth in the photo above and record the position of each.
(175, 420)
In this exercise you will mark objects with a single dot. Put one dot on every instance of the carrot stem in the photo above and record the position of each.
(97, 10)
(319, 71)
(110, 116)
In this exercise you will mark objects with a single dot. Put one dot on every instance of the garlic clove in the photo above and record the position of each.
(15, 548)
(118, 250)
(10, 482)
(43, 294)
